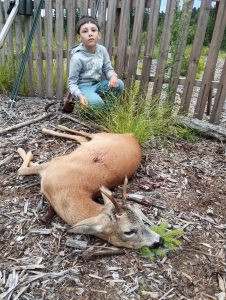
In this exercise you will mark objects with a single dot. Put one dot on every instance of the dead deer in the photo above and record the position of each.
(71, 182)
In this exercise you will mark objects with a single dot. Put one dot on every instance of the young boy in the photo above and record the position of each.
(88, 62)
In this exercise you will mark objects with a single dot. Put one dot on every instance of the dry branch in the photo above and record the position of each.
(17, 126)
(204, 128)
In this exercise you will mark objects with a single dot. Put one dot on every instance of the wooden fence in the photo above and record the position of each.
(48, 62)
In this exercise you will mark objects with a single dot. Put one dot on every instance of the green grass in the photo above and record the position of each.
(146, 119)
(171, 243)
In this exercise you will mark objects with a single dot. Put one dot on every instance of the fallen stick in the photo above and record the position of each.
(87, 254)
(80, 122)
(7, 159)
(204, 128)
(17, 126)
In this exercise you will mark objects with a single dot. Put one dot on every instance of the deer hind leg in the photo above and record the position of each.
(81, 139)
(28, 167)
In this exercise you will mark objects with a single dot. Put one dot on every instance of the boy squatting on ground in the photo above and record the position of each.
(89, 60)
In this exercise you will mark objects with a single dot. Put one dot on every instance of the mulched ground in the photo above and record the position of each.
(183, 183)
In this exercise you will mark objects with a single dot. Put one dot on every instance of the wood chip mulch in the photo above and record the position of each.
(181, 182)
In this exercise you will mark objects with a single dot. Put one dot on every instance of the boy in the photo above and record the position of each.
(88, 62)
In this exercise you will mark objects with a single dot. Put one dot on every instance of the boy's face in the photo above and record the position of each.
(89, 35)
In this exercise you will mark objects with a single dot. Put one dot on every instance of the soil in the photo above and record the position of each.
(183, 183)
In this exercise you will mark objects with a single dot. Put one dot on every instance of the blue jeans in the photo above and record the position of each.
(97, 92)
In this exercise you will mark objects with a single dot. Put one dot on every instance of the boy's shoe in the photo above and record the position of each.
(68, 104)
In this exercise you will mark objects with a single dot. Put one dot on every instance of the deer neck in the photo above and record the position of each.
(74, 207)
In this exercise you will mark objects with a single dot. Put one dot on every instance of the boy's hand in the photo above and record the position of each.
(113, 82)
(83, 101)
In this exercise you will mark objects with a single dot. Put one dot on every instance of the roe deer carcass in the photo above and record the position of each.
(71, 182)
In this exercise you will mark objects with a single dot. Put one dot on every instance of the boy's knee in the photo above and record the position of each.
(95, 100)
(120, 87)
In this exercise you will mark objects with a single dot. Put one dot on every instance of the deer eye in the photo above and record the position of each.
(130, 232)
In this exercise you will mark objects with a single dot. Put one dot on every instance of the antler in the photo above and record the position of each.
(124, 191)
(111, 197)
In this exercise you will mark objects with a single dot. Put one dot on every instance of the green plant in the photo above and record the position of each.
(8, 72)
(185, 63)
(142, 117)
(171, 243)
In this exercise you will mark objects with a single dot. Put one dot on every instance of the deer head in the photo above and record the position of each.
(122, 226)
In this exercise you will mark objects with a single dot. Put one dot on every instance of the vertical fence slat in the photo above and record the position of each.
(111, 17)
(195, 55)
(60, 48)
(29, 67)
(2, 22)
(220, 98)
(92, 7)
(149, 47)
(123, 37)
(49, 47)
(71, 6)
(9, 38)
(165, 41)
(135, 44)
(38, 52)
(83, 4)
(19, 35)
(208, 75)
(102, 19)
(185, 17)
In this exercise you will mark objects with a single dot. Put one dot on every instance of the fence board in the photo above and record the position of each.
(220, 98)
(2, 22)
(29, 66)
(19, 35)
(111, 20)
(184, 27)
(208, 75)
(195, 55)
(49, 47)
(9, 38)
(83, 5)
(102, 19)
(123, 37)
(60, 47)
(149, 47)
(135, 44)
(38, 50)
(163, 51)
(71, 6)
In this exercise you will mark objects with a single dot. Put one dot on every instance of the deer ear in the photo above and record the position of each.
(87, 226)
(106, 193)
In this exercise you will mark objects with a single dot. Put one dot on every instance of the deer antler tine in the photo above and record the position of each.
(112, 199)
(124, 190)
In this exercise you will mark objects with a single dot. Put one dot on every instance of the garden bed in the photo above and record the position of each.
(183, 183)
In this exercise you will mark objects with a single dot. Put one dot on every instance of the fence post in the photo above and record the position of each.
(49, 47)
(123, 38)
(195, 55)
(60, 47)
(135, 44)
(185, 21)
(163, 51)
(39, 61)
(220, 98)
(149, 47)
(111, 20)
(211, 60)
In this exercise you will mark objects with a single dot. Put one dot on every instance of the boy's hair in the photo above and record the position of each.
(86, 19)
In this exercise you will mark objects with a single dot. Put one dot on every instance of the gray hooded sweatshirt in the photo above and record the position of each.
(86, 68)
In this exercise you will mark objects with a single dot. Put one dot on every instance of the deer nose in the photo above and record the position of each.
(158, 244)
